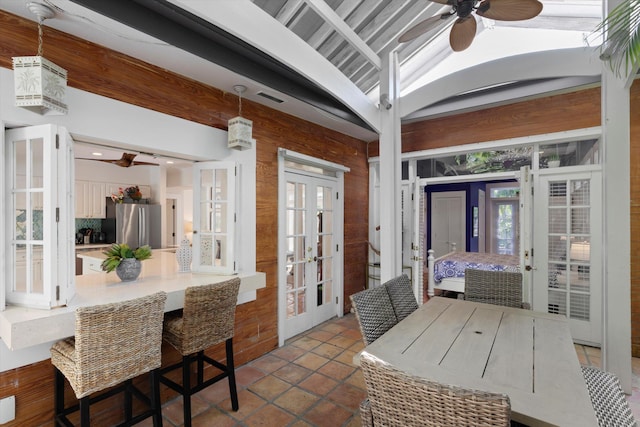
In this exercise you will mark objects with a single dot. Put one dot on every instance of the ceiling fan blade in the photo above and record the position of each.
(125, 161)
(509, 10)
(462, 33)
(422, 27)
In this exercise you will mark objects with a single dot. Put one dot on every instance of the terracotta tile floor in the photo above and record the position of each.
(310, 381)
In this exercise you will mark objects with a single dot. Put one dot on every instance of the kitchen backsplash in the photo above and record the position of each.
(94, 224)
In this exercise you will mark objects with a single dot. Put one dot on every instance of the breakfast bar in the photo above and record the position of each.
(21, 327)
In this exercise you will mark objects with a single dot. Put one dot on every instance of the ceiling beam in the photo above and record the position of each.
(239, 17)
(166, 21)
(345, 31)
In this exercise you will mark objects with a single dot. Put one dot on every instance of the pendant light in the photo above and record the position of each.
(40, 85)
(240, 129)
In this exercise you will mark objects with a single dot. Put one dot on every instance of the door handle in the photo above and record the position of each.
(529, 268)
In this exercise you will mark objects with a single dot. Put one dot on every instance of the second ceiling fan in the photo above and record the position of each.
(464, 28)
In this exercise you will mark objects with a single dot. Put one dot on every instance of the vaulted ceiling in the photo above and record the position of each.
(316, 59)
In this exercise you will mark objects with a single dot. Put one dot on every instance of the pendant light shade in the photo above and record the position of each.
(240, 129)
(40, 85)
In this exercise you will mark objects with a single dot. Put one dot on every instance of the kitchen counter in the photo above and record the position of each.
(21, 327)
(91, 246)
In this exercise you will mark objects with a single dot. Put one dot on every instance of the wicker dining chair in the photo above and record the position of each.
(607, 398)
(494, 287)
(402, 297)
(374, 312)
(396, 398)
(113, 344)
(208, 318)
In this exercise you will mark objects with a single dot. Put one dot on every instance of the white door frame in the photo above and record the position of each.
(331, 169)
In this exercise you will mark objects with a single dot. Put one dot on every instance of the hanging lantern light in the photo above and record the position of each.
(40, 85)
(240, 129)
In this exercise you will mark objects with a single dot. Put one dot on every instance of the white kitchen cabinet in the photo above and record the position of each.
(90, 199)
(91, 265)
(112, 188)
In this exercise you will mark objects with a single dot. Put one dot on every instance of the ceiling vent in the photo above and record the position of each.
(270, 97)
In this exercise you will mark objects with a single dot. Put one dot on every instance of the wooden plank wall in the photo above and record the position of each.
(98, 70)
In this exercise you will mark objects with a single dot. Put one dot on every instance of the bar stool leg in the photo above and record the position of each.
(58, 394)
(128, 405)
(200, 369)
(232, 375)
(84, 412)
(186, 389)
(156, 405)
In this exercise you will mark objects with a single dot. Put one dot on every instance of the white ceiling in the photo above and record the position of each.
(84, 150)
(378, 29)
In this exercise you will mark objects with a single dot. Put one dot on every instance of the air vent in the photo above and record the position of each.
(270, 97)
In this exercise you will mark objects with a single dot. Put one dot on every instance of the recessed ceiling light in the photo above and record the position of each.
(169, 162)
(97, 154)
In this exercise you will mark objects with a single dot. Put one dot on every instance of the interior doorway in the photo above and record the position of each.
(448, 221)
(171, 231)
(310, 242)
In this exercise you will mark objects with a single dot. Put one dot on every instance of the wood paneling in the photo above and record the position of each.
(575, 110)
(98, 70)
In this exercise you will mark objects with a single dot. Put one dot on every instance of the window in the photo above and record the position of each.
(39, 165)
(503, 218)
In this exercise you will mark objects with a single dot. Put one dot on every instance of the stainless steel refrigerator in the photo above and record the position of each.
(135, 224)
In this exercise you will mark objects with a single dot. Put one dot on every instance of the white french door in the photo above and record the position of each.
(418, 250)
(567, 237)
(311, 216)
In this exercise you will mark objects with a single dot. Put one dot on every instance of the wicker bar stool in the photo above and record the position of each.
(113, 344)
(208, 318)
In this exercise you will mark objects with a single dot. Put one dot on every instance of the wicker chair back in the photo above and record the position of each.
(113, 343)
(398, 399)
(493, 287)
(208, 317)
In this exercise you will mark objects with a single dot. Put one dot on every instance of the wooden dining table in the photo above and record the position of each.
(525, 354)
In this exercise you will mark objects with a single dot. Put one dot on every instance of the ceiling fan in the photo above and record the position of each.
(464, 28)
(125, 161)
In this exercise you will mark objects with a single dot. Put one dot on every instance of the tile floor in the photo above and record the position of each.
(308, 382)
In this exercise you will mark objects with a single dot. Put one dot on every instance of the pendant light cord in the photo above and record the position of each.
(40, 20)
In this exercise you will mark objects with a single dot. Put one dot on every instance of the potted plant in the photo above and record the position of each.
(125, 261)
(553, 161)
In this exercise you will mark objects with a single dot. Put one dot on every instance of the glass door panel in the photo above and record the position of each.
(310, 252)
(214, 217)
(568, 276)
(40, 241)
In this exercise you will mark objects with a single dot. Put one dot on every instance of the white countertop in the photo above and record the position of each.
(22, 327)
(91, 246)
